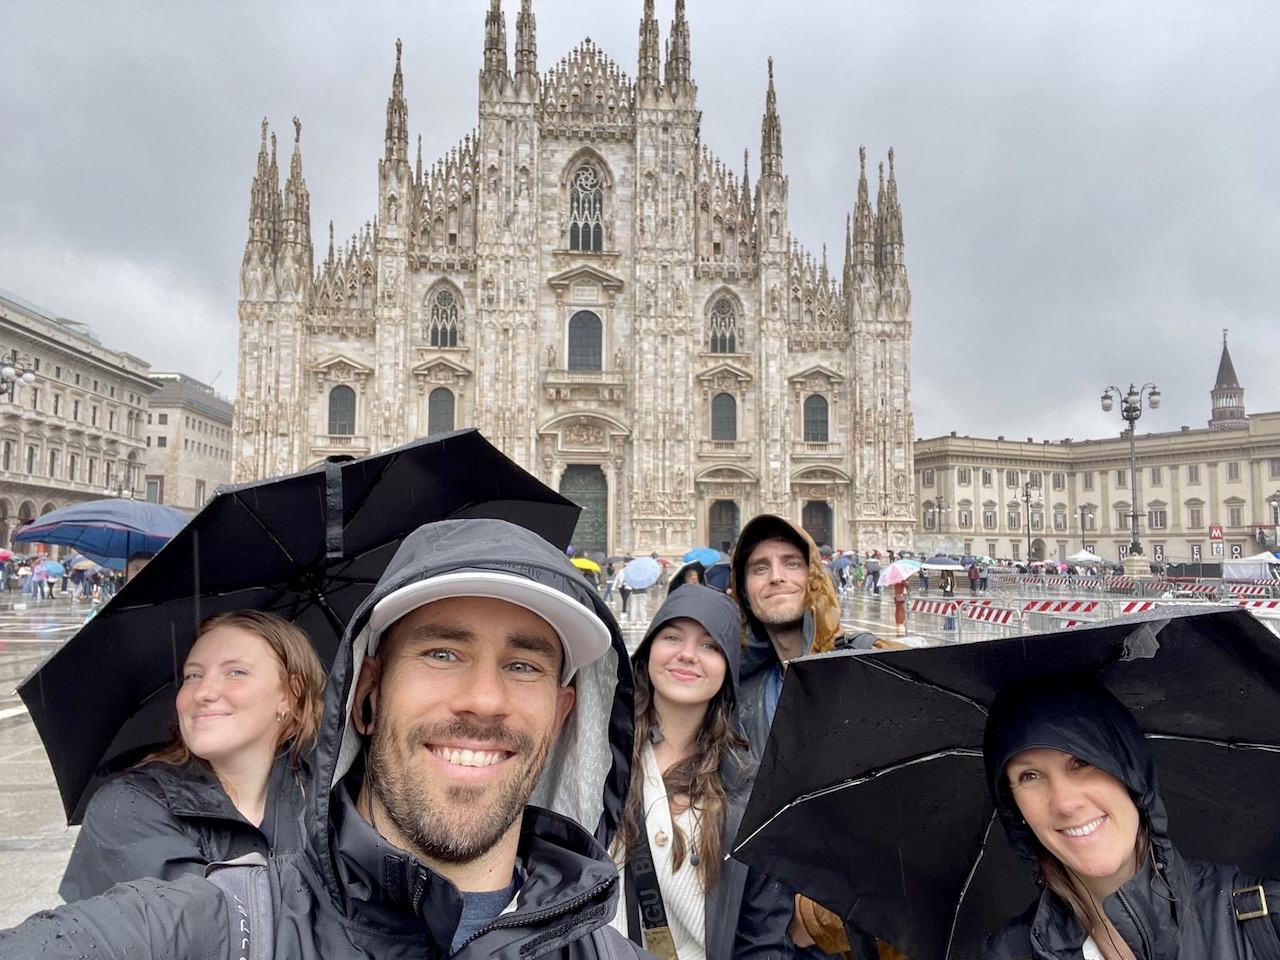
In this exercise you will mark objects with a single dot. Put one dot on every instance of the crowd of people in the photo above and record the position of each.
(486, 772)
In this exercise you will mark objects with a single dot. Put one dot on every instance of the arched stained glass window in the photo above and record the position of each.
(723, 327)
(815, 419)
(440, 410)
(586, 334)
(445, 319)
(724, 417)
(342, 411)
(586, 210)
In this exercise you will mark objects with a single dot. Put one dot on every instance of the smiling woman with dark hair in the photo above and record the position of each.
(1074, 781)
(690, 777)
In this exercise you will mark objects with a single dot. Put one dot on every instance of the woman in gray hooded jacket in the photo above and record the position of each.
(1074, 781)
(691, 772)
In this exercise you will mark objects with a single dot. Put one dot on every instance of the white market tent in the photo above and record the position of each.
(1260, 566)
(1084, 556)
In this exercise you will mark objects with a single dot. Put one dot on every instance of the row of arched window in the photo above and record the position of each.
(724, 418)
(444, 326)
(342, 411)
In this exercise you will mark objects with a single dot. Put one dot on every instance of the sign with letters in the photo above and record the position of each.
(1216, 548)
(1158, 552)
(1215, 531)
(1195, 553)
(1237, 551)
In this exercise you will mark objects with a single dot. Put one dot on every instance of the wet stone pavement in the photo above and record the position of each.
(35, 841)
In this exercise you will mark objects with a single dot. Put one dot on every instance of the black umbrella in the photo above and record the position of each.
(309, 547)
(872, 800)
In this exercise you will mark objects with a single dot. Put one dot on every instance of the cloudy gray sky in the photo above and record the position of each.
(1090, 189)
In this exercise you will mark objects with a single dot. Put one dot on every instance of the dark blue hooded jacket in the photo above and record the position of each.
(1172, 907)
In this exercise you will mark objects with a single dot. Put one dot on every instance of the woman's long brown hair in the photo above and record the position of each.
(697, 777)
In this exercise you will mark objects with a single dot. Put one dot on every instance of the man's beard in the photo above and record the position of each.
(453, 826)
(780, 618)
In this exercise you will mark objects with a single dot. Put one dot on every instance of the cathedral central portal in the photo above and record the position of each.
(586, 486)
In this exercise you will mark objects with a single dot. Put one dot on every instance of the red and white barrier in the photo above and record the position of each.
(943, 608)
(1138, 606)
(1259, 604)
(1060, 606)
(1000, 615)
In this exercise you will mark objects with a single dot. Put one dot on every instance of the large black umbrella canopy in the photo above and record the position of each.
(871, 796)
(309, 546)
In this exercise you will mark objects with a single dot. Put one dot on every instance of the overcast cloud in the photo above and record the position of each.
(1090, 190)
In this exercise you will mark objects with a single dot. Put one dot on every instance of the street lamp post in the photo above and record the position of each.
(938, 504)
(1131, 411)
(1084, 513)
(1274, 503)
(12, 373)
(1027, 498)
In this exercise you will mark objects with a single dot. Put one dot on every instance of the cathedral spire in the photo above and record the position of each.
(647, 81)
(494, 76)
(417, 172)
(526, 48)
(892, 213)
(771, 134)
(677, 75)
(880, 220)
(297, 202)
(260, 196)
(397, 116)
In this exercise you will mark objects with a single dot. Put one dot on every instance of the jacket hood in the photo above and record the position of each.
(718, 616)
(1079, 716)
(586, 773)
(822, 605)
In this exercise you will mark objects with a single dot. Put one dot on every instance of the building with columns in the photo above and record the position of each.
(75, 429)
(1204, 495)
(617, 308)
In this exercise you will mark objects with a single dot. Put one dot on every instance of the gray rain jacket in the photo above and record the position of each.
(350, 894)
(1173, 907)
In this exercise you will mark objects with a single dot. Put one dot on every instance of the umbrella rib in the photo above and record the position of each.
(968, 881)
(1214, 742)
(912, 678)
(857, 781)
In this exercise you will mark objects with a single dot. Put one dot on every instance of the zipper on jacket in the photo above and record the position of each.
(549, 913)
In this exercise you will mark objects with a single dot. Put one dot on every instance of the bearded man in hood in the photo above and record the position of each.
(479, 711)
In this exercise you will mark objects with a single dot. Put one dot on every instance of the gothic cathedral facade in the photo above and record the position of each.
(610, 304)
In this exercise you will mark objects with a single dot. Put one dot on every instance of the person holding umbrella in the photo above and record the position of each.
(1074, 782)
(691, 774)
(691, 572)
(230, 783)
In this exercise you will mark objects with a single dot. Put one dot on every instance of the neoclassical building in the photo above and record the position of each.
(74, 430)
(1205, 494)
(616, 308)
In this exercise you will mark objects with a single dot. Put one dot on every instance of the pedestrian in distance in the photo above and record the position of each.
(692, 572)
(231, 782)
(974, 576)
(982, 577)
(443, 716)
(1074, 782)
(691, 774)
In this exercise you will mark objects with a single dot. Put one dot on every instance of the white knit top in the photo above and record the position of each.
(682, 895)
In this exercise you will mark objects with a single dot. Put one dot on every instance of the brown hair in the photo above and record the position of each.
(303, 674)
(698, 776)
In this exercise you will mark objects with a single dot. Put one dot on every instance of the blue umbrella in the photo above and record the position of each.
(839, 563)
(641, 573)
(704, 555)
(105, 530)
(54, 569)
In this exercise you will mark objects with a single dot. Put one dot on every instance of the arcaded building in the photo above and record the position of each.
(624, 313)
